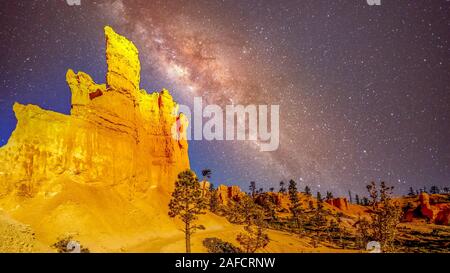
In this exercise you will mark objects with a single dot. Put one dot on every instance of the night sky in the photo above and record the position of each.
(364, 91)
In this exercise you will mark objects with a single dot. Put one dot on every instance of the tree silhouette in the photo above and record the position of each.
(307, 191)
(319, 197)
(253, 239)
(252, 188)
(365, 201)
(187, 203)
(357, 199)
(295, 206)
(214, 201)
(411, 192)
(319, 220)
(434, 190)
(245, 211)
(282, 188)
(329, 195)
(206, 173)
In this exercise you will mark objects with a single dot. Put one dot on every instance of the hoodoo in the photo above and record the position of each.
(108, 166)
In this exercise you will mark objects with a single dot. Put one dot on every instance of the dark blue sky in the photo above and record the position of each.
(364, 91)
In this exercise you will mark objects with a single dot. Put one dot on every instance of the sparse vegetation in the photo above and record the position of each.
(253, 239)
(385, 217)
(216, 245)
(282, 188)
(307, 191)
(320, 224)
(187, 203)
(295, 207)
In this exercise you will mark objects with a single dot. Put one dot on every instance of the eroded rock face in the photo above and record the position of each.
(340, 203)
(205, 186)
(438, 213)
(227, 193)
(430, 209)
(116, 134)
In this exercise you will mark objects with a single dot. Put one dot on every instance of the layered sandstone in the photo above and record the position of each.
(340, 203)
(436, 213)
(106, 170)
(227, 193)
(428, 208)
(116, 133)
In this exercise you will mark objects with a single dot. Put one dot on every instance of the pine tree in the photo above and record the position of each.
(307, 191)
(268, 203)
(319, 197)
(253, 239)
(214, 201)
(334, 229)
(187, 203)
(357, 199)
(364, 232)
(365, 201)
(295, 206)
(329, 195)
(245, 211)
(282, 188)
(319, 220)
(206, 173)
(350, 197)
(252, 188)
(271, 189)
(434, 190)
(411, 192)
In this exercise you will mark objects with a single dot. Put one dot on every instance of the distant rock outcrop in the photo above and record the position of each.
(340, 203)
(429, 209)
(205, 186)
(436, 213)
(116, 133)
(227, 193)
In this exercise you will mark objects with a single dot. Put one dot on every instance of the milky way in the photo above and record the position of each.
(363, 90)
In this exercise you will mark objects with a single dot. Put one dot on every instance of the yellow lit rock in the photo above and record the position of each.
(107, 168)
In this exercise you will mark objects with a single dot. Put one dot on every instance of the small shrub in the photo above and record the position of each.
(216, 245)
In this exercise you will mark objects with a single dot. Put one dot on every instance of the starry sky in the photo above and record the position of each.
(364, 91)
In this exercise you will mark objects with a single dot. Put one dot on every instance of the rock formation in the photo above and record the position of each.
(434, 213)
(227, 193)
(116, 133)
(340, 203)
(106, 170)
(205, 187)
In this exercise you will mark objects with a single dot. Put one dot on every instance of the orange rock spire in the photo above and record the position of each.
(116, 133)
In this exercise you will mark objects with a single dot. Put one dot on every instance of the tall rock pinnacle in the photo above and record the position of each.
(116, 134)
